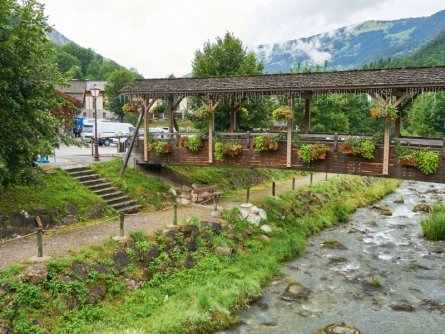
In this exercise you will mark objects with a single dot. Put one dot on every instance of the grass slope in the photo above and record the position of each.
(51, 192)
(208, 296)
(149, 191)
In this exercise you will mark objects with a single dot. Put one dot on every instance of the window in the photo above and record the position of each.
(84, 114)
(104, 115)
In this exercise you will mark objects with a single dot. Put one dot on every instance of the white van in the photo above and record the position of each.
(107, 131)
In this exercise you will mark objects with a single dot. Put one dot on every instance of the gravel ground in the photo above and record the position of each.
(61, 242)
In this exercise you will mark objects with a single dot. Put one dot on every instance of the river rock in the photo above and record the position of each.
(339, 328)
(121, 260)
(262, 213)
(5, 326)
(266, 229)
(37, 273)
(254, 219)
(403, 307)
(296, 292)
(245, 205)
(215, 214)
(223, 251)
(254, 209)
(96, 212)
(333, 244)
(399, 201)
(422, 207)
(244, 213)
(68, 220)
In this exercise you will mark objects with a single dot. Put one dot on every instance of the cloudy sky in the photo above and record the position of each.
(159, 37)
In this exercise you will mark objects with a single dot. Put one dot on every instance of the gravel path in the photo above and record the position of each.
(61, 242)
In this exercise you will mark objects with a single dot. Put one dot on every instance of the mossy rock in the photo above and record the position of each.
(339, 328)
(333, 244)
(422, 207)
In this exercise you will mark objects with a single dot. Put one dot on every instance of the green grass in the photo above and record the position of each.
(148, 190)
(229, 178)
(433, 226)
(51, 192)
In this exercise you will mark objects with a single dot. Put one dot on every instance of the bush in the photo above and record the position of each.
(434, 225)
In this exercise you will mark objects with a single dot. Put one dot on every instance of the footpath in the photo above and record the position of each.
(60, 243)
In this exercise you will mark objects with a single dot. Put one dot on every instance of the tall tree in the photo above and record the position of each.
(28, 76)
(116, 81)
(225, 57)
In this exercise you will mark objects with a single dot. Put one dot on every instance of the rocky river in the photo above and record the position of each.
(376, 272)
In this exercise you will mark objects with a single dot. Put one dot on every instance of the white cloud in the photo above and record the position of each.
(159, 37)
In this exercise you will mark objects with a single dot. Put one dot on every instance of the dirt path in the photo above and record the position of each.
(61, 242)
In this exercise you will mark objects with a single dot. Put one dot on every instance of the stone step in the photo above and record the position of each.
(124, 204)
(93, 182)
(113, 194)
(70, 170)
(84, 178)
(129, 209)
(117, 200)
(82, 173)
(100, 186)
(104, 191)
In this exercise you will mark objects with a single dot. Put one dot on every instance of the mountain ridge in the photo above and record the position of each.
(352, 46)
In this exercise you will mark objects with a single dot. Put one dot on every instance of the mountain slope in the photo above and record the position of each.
(58, 38)
(353, 46)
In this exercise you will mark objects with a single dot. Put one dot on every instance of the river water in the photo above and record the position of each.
(344, 283)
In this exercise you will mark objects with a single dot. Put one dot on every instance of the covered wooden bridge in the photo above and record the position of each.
(398, 87)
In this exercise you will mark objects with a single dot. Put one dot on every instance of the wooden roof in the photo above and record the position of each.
(355, 81)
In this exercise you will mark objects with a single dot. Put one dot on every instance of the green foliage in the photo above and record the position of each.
(117, 80)
(27, 80)
(231, 149)
(265, 143)
(283, 113)
(194, 143)
(149, 190)
(426, 161)
(51, 192)
(160, 147)
(310, 152)
(225, 57)
(433, 226)
(359, 146)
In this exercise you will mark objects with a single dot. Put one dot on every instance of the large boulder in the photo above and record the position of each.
(37, 273)
(121, 260)
(339, 328)
(71, 209)
(96, 212)
(296, 292)
(21, 219)
(422, 207)
(254, 219)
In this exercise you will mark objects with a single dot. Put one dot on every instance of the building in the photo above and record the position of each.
(81, 91)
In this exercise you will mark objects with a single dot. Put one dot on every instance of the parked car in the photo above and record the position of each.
(107, 132)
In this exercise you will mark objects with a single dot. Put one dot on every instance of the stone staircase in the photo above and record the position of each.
(112, 196)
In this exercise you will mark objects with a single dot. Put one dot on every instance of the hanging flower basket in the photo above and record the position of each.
(311, 152)
(426, 161)
(283, 113)
(409, 160)
(130, 107)
(203, 112)
(193, 143)
(383, 109)
(265, 143)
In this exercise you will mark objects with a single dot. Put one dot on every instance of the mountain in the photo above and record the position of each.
(58, 38)
(353, 46)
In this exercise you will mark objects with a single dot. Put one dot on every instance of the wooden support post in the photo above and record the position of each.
(211, 134)
(135, 135)
(146, 130)
(215, 203)
(289, 144)
(170, 116)
(248, 139)
(398, 123)
(443, 149)
(39, 242)
(273, 188)
(336, 142)
(307, 115)
(386, 142)
(293, 183)
(248, 195)
(326, 176)
(175, 213)
(311, 178)
(121, 224)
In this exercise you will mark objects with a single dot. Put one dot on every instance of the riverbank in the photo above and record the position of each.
(203, 298)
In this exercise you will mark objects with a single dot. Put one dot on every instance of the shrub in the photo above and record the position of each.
(311, 152)
(433, 226)
(194, 143)
(160, 147)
